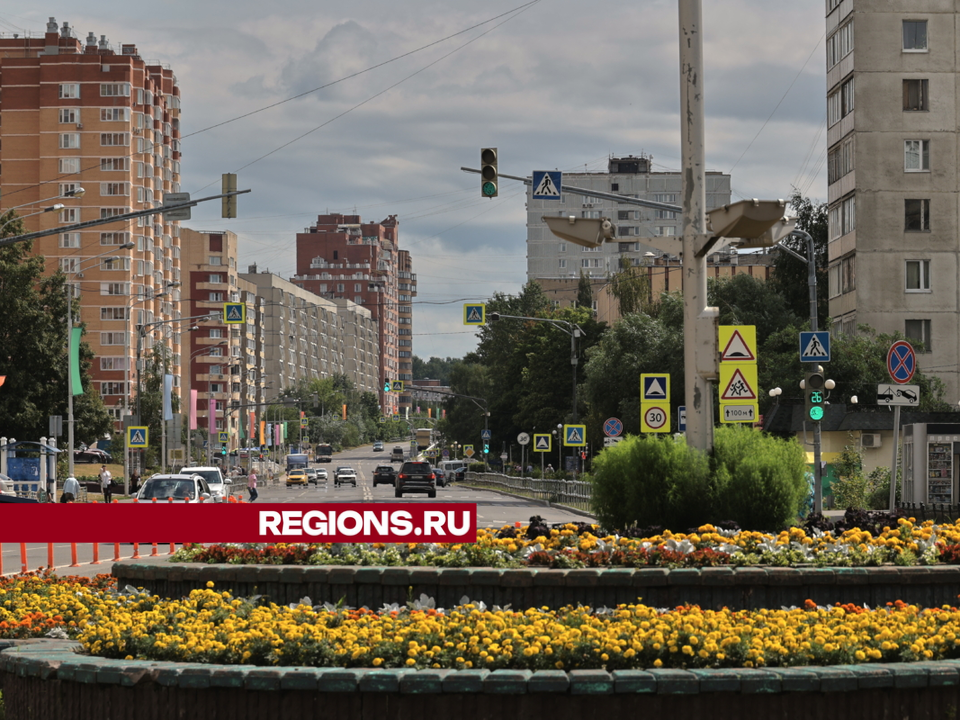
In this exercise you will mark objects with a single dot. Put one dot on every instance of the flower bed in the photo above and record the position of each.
(211, 626)
(903, 542)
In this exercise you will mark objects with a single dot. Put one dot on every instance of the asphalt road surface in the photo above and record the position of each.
(493, 510)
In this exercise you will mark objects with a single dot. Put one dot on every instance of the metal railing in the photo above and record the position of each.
(569, 493)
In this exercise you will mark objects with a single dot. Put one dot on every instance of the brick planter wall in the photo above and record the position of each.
(48, 679)
(714, 588)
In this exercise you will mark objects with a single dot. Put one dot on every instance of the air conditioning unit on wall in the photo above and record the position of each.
(870, 440)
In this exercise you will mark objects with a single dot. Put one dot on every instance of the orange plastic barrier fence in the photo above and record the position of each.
(75, 554)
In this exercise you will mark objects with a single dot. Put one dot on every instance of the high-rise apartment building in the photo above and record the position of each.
(550, 257)
(893, 181)
(343, 257)
(78, 114)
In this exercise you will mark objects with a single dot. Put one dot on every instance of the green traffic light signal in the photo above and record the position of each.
(814, 395)
(387, 385)
(486, 448)
(488, 172)
(816, 413)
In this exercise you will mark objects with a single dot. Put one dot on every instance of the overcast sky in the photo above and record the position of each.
(554, 84)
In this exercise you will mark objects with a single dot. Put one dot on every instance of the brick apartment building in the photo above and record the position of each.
(343, 257)
(78, 114)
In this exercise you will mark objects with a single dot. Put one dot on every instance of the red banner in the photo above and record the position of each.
(164, 522)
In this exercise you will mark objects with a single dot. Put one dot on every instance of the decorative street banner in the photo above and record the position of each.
(241, 523)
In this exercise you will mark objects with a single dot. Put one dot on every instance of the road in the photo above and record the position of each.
(493, 510)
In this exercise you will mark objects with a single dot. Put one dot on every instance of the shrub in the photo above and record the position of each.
(650, 481)
(477, 467)
(758, 479)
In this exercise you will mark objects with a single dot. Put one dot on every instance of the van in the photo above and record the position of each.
(450, 467)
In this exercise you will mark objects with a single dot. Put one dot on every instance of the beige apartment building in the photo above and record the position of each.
(81, 114)
(892, 125)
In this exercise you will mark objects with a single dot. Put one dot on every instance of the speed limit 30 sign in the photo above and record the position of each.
(655, 418)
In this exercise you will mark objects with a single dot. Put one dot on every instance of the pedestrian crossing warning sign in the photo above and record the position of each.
(546, 184)
(397, 386)
(739, 343)
(234, 313)
(137, 436)
(574, 435)
(542, 443)
(475, 314)
(738, 382)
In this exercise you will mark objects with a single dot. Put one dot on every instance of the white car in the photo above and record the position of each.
(6, 485)
(218, 484)
(345, 475)
(184, 487)
(319, 476)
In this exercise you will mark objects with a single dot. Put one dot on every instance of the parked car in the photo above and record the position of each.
(460, 474)
(441, 477)
(180, 487)
(384, 474)
(344, 475)
(297, 476)
(92, 455)
(416, 476)
(218, 484)
(378, 446)
(6, 485)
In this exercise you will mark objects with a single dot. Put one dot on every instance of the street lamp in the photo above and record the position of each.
(69, 287)
(75, 193)
(570, 328)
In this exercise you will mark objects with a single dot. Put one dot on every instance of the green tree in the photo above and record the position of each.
(34, 350)
(434, 369)
(790, 275)
(630, 286)
(584, 292)
(155, 365)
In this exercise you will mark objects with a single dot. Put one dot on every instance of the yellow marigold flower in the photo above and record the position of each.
(377, 662)
(658, 663)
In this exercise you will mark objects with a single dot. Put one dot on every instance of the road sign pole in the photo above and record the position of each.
(893, 462)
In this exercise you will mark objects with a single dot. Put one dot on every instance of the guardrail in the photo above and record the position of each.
(570, 493)
(75, 552)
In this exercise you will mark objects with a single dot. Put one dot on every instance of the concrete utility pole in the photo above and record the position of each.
(699, 356)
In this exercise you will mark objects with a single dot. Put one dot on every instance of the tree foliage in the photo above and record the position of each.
(434, 369)
(630, 286)
(34, 350)
(584, 292)
(790, 275)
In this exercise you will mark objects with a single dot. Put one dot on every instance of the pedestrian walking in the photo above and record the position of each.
(252, 486)
(106, 479)
(134, 481)
(71, 490)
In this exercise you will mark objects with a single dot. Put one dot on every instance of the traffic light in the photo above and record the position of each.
(223, 449)
(488, 172)
(814, 395)
(493, 317)
(486, 448)
(228, 205)
(387, 385)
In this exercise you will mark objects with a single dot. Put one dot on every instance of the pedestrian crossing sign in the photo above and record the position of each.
(474, 314)
(224, 437)
(138, 436)
(542, 443)
(234, 313)
(397, 386)
(574, 435)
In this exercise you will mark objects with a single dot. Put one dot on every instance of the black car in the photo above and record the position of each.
(416, 477)
(384, 474)
(92, 455)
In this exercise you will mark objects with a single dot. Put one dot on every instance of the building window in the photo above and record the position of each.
(114, 238)
(848, 274)
(69, 265)
(114, 288)
(666, 231)
(69, 90)
(120, 114)
(833, 280)
(69, 115)
(113, 363)
(112, 388)
(563, 262)
(215, 278)
(114, 89)
(70, 215)
(916, 155)
(915, 95)
(915, 35)
(916, 215)
(114, 139)
(840, 103)
(67, 166)
(112, 313)
(216, 297)
(918, 331)
(114, 163)
(113, 338)
(69, 141)
(109, 212)
(562, 248)
(918, 276)
(839, 45)
(843, 217)
(215, 260)
(120, 263)
(594, 214)
(70, 240)
(840, 161)
(115, 188)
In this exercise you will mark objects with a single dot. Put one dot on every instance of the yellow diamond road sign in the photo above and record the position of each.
(468, 450)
